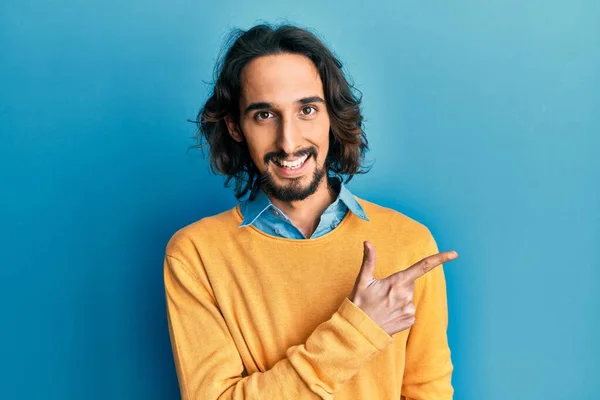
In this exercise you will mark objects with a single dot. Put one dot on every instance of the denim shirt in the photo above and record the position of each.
(265, 216)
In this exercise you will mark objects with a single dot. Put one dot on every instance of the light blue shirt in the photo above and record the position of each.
(265, 216)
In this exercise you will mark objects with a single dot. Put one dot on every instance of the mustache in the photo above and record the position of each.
(311, 151)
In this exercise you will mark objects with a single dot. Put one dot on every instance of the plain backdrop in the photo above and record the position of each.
(483, 120)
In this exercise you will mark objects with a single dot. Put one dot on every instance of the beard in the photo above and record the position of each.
(294, 190)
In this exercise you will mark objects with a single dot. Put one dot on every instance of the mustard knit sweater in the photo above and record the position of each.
(252, 316)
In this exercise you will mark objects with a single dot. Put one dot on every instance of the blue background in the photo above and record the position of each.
(483, 123)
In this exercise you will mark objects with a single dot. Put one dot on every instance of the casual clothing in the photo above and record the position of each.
(252, 315)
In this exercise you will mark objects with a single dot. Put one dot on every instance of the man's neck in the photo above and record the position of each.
(306, 214)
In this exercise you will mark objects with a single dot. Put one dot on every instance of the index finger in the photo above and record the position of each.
(425, 265)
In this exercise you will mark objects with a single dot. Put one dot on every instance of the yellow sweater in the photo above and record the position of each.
(252, 316)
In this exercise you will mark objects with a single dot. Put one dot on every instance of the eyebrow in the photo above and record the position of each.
(263, 105)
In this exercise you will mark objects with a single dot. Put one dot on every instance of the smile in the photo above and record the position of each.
(291, 164)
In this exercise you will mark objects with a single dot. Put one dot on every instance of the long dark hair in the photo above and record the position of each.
(348, 142)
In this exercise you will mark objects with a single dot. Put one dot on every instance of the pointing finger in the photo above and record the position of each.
(425, 265)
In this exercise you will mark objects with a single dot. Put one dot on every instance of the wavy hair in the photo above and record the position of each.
(347, 140)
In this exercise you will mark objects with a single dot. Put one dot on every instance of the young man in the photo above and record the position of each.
(282, 297)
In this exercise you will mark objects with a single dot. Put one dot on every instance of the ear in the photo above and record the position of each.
(233, 129)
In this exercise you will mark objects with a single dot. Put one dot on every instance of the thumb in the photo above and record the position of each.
(367, 268)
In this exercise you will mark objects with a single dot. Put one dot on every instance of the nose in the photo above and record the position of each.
(289, 137)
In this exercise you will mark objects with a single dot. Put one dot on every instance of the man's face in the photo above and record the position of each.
(285, 123)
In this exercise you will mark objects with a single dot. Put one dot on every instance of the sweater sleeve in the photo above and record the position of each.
(209, 366)
(428, 369)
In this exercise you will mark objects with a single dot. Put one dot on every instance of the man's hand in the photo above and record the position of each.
(388, 301)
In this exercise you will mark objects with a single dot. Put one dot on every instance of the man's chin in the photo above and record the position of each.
(292, 189)
(289, 192)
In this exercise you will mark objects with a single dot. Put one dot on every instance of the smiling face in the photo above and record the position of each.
(285, 123)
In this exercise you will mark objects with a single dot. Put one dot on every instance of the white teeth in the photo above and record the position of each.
(293, 164)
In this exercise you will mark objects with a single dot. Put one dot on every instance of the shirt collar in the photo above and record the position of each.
(346, 197)
(251, 210)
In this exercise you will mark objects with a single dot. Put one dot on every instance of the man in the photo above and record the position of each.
(270, 299)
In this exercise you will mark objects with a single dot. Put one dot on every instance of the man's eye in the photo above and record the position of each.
(262, 115)
(308, 110)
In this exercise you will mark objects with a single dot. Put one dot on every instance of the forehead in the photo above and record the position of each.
(279, 79)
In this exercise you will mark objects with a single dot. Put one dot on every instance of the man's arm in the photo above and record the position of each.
(428, 370)
(209, 365)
